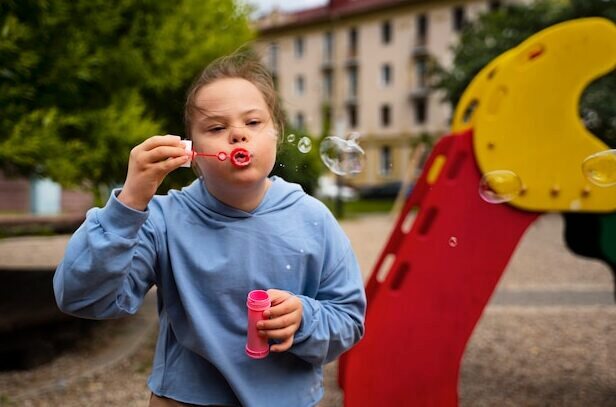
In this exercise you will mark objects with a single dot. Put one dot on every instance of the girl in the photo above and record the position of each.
(233, 230)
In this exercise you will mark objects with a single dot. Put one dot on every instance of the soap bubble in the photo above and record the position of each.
(291, 138)
(304, 145)
(499, 186)
(600, 168)
(342, 157)
(591, 119)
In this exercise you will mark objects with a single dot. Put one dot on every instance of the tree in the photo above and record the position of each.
(82, 82)
(494, 33)
(298, 165)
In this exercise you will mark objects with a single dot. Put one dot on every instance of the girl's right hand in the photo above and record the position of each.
(148, 165)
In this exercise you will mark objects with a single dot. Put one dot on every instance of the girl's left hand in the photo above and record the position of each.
(282, 320)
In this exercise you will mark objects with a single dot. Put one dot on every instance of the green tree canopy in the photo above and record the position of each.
(299, 163)
(496, 32)
(82, 82)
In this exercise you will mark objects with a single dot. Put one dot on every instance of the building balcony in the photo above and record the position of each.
(420, 51)
(351, 100)
(419, 92)
(351, 62)
(327, 65)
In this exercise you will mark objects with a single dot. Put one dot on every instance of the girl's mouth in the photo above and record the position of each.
(240, 157)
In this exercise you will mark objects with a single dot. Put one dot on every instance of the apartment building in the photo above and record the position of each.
(362, 65)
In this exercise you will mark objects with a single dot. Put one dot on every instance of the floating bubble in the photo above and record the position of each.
(591, 119)
(291, 138)
(499, 186)
(342, 157)
(354, 136)
(453, 241)
(304, 145)
(288, 267)
(600, 168)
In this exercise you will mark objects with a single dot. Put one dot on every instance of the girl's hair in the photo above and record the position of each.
(245, 64)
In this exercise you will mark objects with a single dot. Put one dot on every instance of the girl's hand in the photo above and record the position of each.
(282, 320)
(148, 165)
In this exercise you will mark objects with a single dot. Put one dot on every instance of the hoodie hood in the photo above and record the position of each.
(280, 195)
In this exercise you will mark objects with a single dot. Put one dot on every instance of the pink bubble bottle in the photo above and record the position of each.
(257, 347)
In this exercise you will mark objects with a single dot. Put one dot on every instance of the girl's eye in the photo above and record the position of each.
(216, 129)
(253, 123)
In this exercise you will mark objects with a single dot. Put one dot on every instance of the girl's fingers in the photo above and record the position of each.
(157, 141)
(173, 163)
(278, 296)
(279, 333)
(282, 346)
(164, 152)
(276, 323)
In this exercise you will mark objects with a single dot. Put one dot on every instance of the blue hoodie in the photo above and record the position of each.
(204, 257)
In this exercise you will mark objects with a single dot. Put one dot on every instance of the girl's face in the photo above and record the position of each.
(231, 113)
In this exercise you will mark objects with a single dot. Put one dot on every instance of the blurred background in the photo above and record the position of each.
(82, 82)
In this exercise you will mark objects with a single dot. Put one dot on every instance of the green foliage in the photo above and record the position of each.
(82, 82)
(361, 207)
(494, 33)
(298, 167)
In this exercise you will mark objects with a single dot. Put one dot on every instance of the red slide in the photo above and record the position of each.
(421, 316)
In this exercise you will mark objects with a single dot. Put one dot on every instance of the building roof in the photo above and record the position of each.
(334, 10)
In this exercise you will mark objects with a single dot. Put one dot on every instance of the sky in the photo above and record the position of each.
(265, 6)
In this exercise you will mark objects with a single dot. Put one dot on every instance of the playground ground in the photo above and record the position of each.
(548, 337)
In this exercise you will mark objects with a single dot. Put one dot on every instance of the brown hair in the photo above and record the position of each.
(245, 64)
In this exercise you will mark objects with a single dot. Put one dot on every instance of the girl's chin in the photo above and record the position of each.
(242, 178)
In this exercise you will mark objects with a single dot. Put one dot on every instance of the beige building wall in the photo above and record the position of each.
(403, 54)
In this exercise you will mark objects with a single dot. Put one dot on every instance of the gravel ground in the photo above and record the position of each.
(557, 354)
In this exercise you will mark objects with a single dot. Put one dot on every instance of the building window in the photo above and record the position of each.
(353, 42)
(385, 162)
(298, 47)
(299, 85)
(458, 18)
(385, 115)
(326, 111)
(352, 118)
(421, 110)
(422, 29)
(328, 84)
(421, 69)
(299, 121)
(386, 33)
(328, 46)
(385, 75)
(352, 82)
(272, 58)
(494, 5)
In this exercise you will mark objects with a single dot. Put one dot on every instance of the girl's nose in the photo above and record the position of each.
(238, 135)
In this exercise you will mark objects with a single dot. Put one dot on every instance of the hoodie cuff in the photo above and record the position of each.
(119, 219)
(310, 315)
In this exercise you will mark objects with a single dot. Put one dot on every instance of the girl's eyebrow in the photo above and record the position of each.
(207, 116)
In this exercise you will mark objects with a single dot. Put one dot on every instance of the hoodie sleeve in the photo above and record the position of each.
(333, 321)
(108, 266)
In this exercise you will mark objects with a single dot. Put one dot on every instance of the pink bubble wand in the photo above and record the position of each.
(239, 157)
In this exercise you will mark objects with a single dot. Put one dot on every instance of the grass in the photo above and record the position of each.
(360, 207)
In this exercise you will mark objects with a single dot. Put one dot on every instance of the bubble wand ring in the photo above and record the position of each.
(240, 157)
